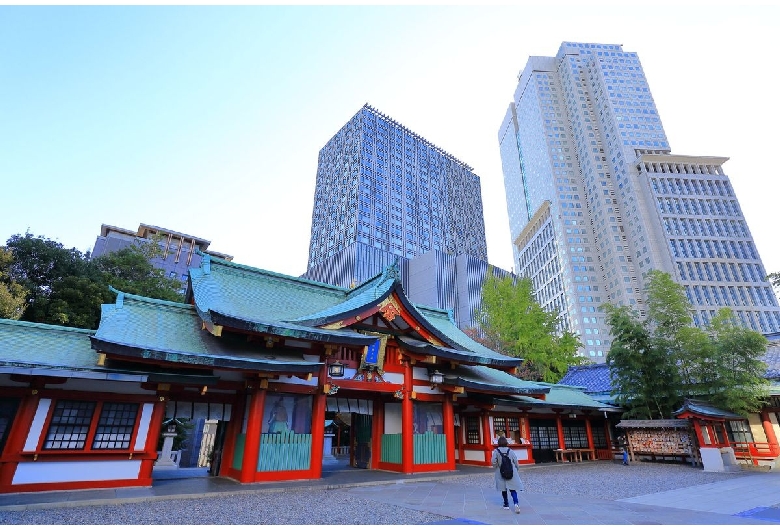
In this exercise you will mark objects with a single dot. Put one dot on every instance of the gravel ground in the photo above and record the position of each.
(339, 507)
(606, 480)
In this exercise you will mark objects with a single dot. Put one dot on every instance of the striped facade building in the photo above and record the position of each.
(386, 196)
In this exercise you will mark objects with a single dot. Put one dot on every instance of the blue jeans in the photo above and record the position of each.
(506, 499)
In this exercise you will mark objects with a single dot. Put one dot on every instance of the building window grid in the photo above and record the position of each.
(69, 425)
(115, 426)
(472, 430)
(71, 421)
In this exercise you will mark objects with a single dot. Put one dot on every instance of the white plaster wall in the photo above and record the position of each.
(393, 377)
(470, 454)
(34, 436)
(393, 424)
(53, 472)
(143, 426)
(757, 427)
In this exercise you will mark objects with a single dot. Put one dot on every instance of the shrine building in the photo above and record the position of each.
(269, 359)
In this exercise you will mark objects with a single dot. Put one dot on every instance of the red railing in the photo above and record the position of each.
(755, 451)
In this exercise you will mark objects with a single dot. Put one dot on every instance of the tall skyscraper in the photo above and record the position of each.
(596, 199)
(385, 195)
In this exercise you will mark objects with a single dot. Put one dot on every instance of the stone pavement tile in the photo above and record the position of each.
(131, 493)
(79, 495)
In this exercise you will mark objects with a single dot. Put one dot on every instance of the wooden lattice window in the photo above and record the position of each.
(115, 427)
(472, 430)
(599, 437)
(575, 436)
(7, 414)
(69, 425)
(507, 426)
(739, 431)
(71, 422)
(544, 436)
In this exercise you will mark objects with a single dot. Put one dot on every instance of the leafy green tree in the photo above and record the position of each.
(738, 383)
(656, 363)
(65, 287)
(130, 271)
(13, 297)
(641, 372)
(41, 266)
(513, 321)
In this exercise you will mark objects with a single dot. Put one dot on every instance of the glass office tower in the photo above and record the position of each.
(596, 199)
(384, 195)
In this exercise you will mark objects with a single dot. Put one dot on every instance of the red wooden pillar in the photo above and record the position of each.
(17, 436)
(317, 434)
(231, 434)
(606, 433)
(559, 424)
(725, 434)
(698, 427)
(448, 417)
(153, 435)
(589, 432)
(254, 426)
(407, 422)
(770, 433)
(487, 442)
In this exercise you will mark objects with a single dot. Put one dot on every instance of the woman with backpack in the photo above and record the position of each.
(505, 460)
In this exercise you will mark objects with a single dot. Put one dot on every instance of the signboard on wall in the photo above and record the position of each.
(374, 354)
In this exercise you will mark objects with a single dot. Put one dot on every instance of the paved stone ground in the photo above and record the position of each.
(554, 494)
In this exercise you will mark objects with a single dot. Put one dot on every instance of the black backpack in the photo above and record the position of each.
(506, 465)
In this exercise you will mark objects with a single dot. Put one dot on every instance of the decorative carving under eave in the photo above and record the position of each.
(371, 376)
(390, 308)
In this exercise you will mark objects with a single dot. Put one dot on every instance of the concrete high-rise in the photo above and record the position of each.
(596, 199)
(178, 251)
(385, 195)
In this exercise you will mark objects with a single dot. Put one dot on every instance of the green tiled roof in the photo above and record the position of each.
(490, 380)
(156, 329)
(573, 397)
(253, 294)
(488, 357)
(369, 293)
(444, 322)
(705, 409)
(243, 297)
(45, 345)
(558, 396)
(42, 349)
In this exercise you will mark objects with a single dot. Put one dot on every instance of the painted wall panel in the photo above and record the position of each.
(143, 426)
(473, 455)
(31, 444)
(53, 472)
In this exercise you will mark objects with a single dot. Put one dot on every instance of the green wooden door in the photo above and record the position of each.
(362, 426)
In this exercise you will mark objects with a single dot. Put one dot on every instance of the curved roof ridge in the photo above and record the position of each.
(123, 296)
(39, 325)
(231, 265)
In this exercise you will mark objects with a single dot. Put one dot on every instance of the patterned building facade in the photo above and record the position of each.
(386, 196)
(596, 199)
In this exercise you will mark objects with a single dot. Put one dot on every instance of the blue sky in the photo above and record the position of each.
(208, 120)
